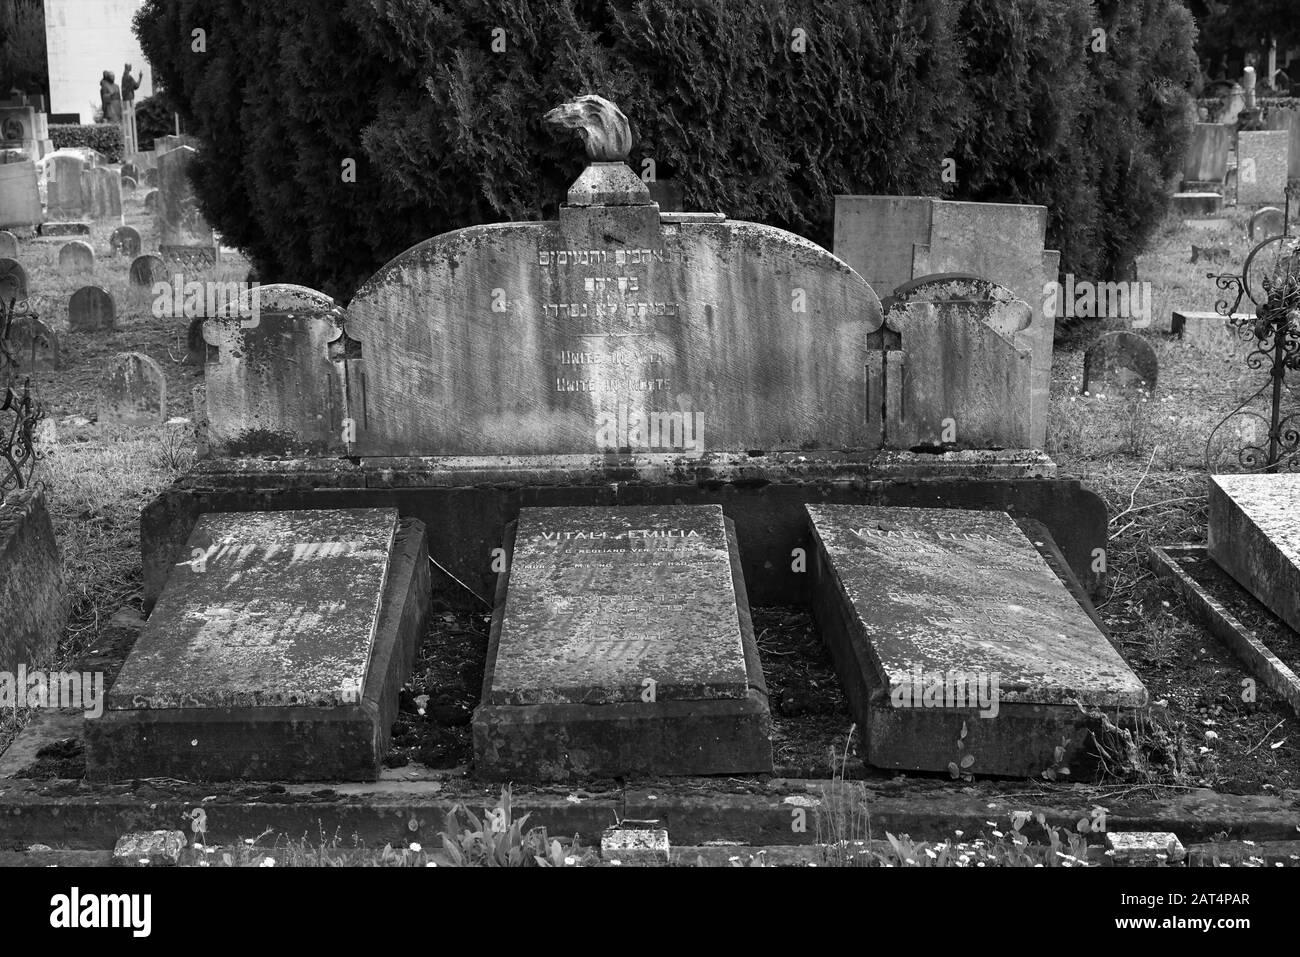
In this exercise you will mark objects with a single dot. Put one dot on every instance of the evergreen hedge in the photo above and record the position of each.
(445, 131)
(106, 138)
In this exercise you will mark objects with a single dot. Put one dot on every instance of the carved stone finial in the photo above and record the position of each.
(603, 127)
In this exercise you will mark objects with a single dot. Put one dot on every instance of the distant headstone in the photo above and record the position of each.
(129, 169)
(184, 234)
(276, 651)
(34, 344)
(1207, 153)
(129, 184)
(147, 270)
(20, 197)
(13, 280)
(622, 645)
(274, 374)
(77, 256)
(134, 391)
(1262, 164)
(1265, 222)
(957, 644)
(65, 197)
(91, 309)
(1204, 330)
(151, 177)
(1288, 120)
(58, 230)
(102, 187)
(1254, 535)
(125, 241)
(151, 201)
(1120, 360)
(8, 245)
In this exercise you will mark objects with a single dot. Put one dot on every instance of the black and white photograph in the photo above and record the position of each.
(650, 435)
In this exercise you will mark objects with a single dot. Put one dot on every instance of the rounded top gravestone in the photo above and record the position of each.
(134, 392)
(151, 201)
(151, 176)
(34, 344)
(13, 280)
(1120, 360)
(8, 244)
(129, 184)
(76, 256)
(1265, 222)
(125, 241)
(91, 309)
(147, 270)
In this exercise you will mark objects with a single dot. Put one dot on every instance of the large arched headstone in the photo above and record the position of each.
(615, 329)
(91, 309)
(13, 280)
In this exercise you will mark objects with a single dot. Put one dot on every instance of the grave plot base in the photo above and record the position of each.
(565, 741)
(1020, 740)
(281, 743)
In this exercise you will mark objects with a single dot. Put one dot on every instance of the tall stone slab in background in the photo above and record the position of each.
(275, 383)
(33, 594)
(615, 328)
(65, 197)
(1254, 535)
(102, 187)
(184, 235)
(275, 652)
(621, 644)
(958, 645)
(1207, 154)
(1263, 159)
(20, 196)
(1288, 120)
(893, 239)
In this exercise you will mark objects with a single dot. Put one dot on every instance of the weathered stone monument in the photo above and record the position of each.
(621, 644)
(20, 197)
(125, 241)
(134, 391)
(76, 257)
(1262, 164)
(1288, 120)
(276, 651)
(1254, 535)
(272, 383)
(1265, 222)
(65, 197)
(958, 645)
(34, 344)
(1120, 360)
(184, 235)
(33, 593)
(13, 280)
(147, 270)
(91, 309)
(102, 188)
(8, 245)
(890, 240)
(1206, 162)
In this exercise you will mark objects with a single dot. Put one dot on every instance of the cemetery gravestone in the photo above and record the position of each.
(147, 270)
(1207, 155)
(8, 245)
(125, 241)
(621, 644)
(623, 334)
(151, 177)
(958, 645)
(151, 201)
(1254, 535)
(129, 184)
(33, 591)
(134, 392)
(184, 234)
(276, 651)
(65, 197)
(91, 309)
(20, 196)
(1288, 120)
(1262, 164)
(1266, 222)
(34, 344)
(103, 190)
(13, 280)
(56, 230)
(1120, 360)
(274, 376)
(76, 256)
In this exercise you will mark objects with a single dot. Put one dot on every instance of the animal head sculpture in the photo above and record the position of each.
(602, 125)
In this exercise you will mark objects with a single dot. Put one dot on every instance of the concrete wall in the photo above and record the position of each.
(83, 39)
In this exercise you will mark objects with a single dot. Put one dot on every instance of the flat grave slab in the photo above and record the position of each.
(275, 651)
(1254, 535)
(956, 639)
(621, 644)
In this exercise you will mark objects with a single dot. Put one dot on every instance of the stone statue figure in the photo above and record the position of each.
(110, 98)
(129, 84)
(603, 127)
